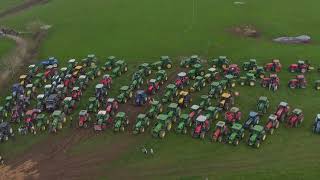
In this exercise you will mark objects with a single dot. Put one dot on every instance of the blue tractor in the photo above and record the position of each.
(141, 98)
(17, 90)
(253, 120)
(50, 61)
(316, 125)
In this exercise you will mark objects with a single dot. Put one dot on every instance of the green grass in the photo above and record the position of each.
(144, 30)
(5, 46)
(5, 4)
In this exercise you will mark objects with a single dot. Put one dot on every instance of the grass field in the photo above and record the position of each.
(4, 4)
(5, 46)
(144, 30)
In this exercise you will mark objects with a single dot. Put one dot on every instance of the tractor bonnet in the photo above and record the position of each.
(67, 99)
(195, 107)
(102, 112)
(182, 74)
(152, 81)
(258, 128)
(220, 124)
(99, 86)
(201, 118)
(162, 117)
(236, 126)
(40, 96)
(284, 104)
(57, 113)
(253, 114)
(234, 109)
(141, 116)
(173, 106)
(120, 115)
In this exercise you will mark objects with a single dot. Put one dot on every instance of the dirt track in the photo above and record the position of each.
(20, 7)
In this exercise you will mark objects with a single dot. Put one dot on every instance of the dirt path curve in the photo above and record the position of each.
(20, 7)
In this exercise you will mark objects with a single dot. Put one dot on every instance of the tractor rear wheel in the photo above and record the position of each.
(271, 131)
(202, 135)
(277, 124)
(43, 128)
(142, 130)
(148, 123)
(185, 130)
(264, 137)
(122, 128)
(236, 142)
(6, 138)
(169, 126)
(125, 69)
(169, 66)
(282, 117)
(220, 139)
(257, 144)
(85, 125)
(162, 134)
(60, 126)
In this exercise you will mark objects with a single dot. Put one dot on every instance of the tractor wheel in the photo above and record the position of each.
(202, 135)
(99, 73)
(242, 83)
(217, 116)
(85, 125)
(264, 137)
(220, 139)
(204, 84)
(125, 69)
(169, 126)
(60, 126)
(125, 100)
(6, 138)
(34, 132)
(242, 135)
(187, 65)
(127, 122)
(185, 131)
(161, 109)
(202, 73)
(252, 83)
(43, 128)
(271, 131)
(301, 120)
(236, 142)
(169, 66)
(148, 123)
(142, 130)
(64, 119)
(122, 128)
(149, 72)
(166, 78)
(282, 117)
(162, 134)
(277, 125)
(257, 144)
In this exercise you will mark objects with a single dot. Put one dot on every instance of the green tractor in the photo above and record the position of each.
(89, 60)
(137, 80)
(58, 118)
(125, 94)
(102, 120)
(145, 68)
(82, 82)
(156, 108)
(3, 114)
(162, 125)
(41, 103)
(212, 113)
(259, 72)
(69, 104)
(120, 68)
(199, 83)
(184, 123)
(63, 72)
(72, 63)
(212, 75)
(263, 105)
(42, 122)
(31, 91)
(205, 101)
(93, 72)
(165, 62)
(249, 79)
(121, 122)
(61, 91)
(215, 90)
(189, 62)
(250, 65)
(173, 112)
(110, 64)
(93, 105)
(236, 134)
(39, 80)
(220, 62)
(197, 70)
(257, 135)
(142, 122)
(317, 85)
(171, 92)
(230, 81)
(161, 76)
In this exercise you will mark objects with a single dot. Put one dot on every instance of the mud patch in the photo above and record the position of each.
(245, 31)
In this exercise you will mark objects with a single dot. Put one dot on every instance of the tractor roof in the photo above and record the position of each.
(233, 65)
(110, 100)
(72, 61)
(29, 112)
(226, 95)
(110, 58)
(318, 116)
(263, 98)
(164, 57)
(182, 74)
(220, 124)
(124, 88)
(284, 104)
(63, 69)
(152, 81)
(204, 96)
(99, 86)
(48, 86)
(201, 118)
(253, 114)
(39, 75)
(83, 112)
(60, 86)
(142, 116)
(140, 92)
(91, 56)
(171, 86)
(317, 81)
(29, 85)
(236, 126)
(258, 128)
(273, 75)
(276, 60)
(300, 62)
(215, 83)
(144, 65)
(184, 116)
(195, 107)
(229, 76)
(300, 76)
(273, 117)
(23, 76)
(102, 112)
(32, 65)
(297, 111)
(78, 67)
(57, 113)
(41, 116)
(250, 75)
(253, 60)
(184, 93)
(154, 102)
(234, 109)
(106, 76)
(212, 69)
(121, 114)
(197, 66)
(67, 99)
(222, 57)
(75, 88)
(199, 78)
(173, 105)
(82, 77)
(194, 56)
(40, 96)
(162, 117)
(211, 109)
(92, 99)
(120, 62)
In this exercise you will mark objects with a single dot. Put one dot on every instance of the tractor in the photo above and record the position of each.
(316, 125)
(93, 72)
(252, 120)
(125, 94)
(76, 93)
(282, 111)
(227, 100)
(220, 62)
(298, 82)
(42, 122)
(156, 108)
(17, 114)
(236, 134)
(84, 119)
(110, 63)
(317, 85)
(30, 91)
(52, 102)
(249, 79)
(69, 81)
(24, 80)
(300, 67)
(212, 75)
(141, 98)
(48, 90)
(17, 90)
(272, 124)
(106, 81)
(195, 112)
(161, 76)
(77, 71)
(257, 135)
(205, 102)
(215, 90)
(212, 113)
(250, 65)
(233, 116)
(50, 72)
(173, 112)
(49, 62)
(120, 68)
(101, 93)
(170, 93)
(82, 82)
(184, 99)
(220, 132)
(112, 106)
(189, 62)
(6, 131)
(201, 127)
(182, 80)
(39, 80)
(30, 122)
(58, 118)
(272, 82)
(61, 91)
(295, 118)
(262, 105)
(103, 119)
(162, 125)
(41, 104)
(153, 86)
(69, 105)
(232, 69)
(184, 123)
(93, 105)
(165, 62)
(274, 66)
(72, 63)
(33, 70)
(199, 83)
(230, 81)
(63, 72)
(3, 114)
(259, 72)
(197, 70)
(89, 60)
(121, 122)
(137, 80)
(145, 68)
(142, 122)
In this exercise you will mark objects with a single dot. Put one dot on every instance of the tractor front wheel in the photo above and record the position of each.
(162, 134)
(257, 144)
(202, 135)
(236, 142)
(122, 128)
(169, 66)
(185, 130)
(220, 139)
(264, 137)
(271, 131)
(142, 130)
(169, 126)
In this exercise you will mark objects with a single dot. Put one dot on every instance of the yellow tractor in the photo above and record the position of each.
(184, 99)
(227, 101)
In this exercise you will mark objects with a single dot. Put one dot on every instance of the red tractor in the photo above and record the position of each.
(76, 93)
(272, 124)
(112, 106)
(220, 131)
(272, 82)
(69, 81)
(50, 71)
(195, 111)
(84, 119)
(295, 118)
(232, 116)
(201, 127)
(300, 67)
(274, 66)
(182, 80)
(282, 111)
(298, 82)
(106, 81)
(153, 86)
(232, 69)
(30, 120)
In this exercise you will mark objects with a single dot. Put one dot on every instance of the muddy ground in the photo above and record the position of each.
(21, 7)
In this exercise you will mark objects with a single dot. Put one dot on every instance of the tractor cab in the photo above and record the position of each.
(152, 82)
(202, 125)
(300, 78)
(47, 89)
(263, 99)
(84, 118)
(77, 71)
(212, 70)
(272, 118)
(23, 79)
(195, 110)
(297, 112)
(76, 93)
(283, 104)
(182, 75)
(253, 62)
(194, 59)
(233, 115)
(221, 125)
(212, 112)
(201, 120)
(72, 63)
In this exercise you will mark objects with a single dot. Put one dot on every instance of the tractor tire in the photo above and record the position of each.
(220, 139)
(127, 122)
(125, 100)
(242, 83)
(187, 66)
(64, 119)
(99, 73)
(251, 83)
(43, 128)
(161, 109)
(142, 130)
(271, 131)
(169, 66)
(148, 123)
(60, 126)
(277, 125)
(6, 138)
(264, 137)
(85, 125)
(217, 116)
(169, 126)
(257, 144)
(149, 72)
(236, 142)
(125, 69)
(202, 73)
(162, 134)
(185, 130)
(202, 135)
(122, 128)
(242, 135)
(282, 117)
(34, 132)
